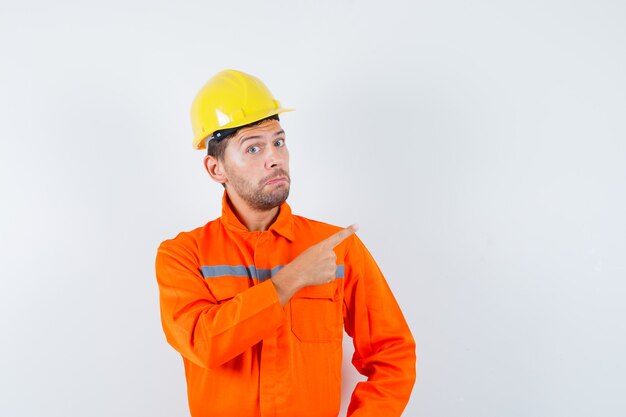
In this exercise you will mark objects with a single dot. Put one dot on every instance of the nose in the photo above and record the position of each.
(275, 157)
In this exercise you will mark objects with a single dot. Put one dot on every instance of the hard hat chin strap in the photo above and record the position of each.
(221, 134)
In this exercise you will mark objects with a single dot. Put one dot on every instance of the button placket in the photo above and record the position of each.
(269, 349)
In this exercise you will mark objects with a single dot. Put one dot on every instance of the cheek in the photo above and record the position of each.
(244, 166)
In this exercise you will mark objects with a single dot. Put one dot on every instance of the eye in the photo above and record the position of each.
(253, 149)
(279, 142)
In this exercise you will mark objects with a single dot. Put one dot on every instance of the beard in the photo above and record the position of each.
(256, 196)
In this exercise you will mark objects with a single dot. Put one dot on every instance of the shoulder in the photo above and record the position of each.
(189, 239)
(315, 231)
(305, 224)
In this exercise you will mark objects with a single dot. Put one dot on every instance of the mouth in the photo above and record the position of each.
(277, 180)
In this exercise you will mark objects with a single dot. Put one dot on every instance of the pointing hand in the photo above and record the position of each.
(314, 266)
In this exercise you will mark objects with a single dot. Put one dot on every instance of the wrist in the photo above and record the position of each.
(286, 284)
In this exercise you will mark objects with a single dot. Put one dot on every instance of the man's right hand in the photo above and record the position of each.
(315, 266)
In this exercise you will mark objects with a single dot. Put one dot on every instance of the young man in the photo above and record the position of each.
(256, 301)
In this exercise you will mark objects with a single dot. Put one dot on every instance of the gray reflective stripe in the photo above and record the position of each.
(229, 270)
(239, 271)
(339, 271)
(264, 274)
(249, 271)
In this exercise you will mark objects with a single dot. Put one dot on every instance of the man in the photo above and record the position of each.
(256, 301)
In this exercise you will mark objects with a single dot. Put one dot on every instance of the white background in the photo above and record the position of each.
(480, 145)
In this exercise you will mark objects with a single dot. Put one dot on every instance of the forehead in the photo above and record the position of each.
(269, 128)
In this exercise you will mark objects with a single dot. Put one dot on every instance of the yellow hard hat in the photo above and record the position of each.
(230, 99)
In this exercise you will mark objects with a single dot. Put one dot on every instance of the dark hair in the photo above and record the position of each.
(217, 147)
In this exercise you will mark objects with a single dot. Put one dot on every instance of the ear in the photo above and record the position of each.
(215, 169)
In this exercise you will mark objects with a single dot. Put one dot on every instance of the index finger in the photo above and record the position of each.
(341, 235)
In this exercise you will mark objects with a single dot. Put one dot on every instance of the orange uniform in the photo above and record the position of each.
(246, 356)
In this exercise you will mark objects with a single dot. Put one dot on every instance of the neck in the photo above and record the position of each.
(254, 220)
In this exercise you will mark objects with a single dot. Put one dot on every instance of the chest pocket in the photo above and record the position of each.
(316, 314)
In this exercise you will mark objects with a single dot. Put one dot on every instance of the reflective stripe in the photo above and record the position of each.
(339, 271)
(249, 271)
(222, 270)
(264, 274)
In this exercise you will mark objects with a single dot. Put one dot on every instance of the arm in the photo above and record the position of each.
(384, 346)
(196, 325)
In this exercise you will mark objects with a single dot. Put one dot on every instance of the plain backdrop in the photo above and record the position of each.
(480, 146)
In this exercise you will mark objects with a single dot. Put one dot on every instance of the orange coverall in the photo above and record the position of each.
(246, 356)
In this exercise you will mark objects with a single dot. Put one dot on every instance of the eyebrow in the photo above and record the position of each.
(280, 132)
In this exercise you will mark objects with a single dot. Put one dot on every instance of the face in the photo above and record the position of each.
(256, 165)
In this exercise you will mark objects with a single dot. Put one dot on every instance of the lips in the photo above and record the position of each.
(277, 180)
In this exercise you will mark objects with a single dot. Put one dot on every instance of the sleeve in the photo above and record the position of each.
(383, 344)
(207, 331)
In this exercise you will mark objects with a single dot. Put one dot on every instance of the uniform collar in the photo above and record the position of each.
(283, 225)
